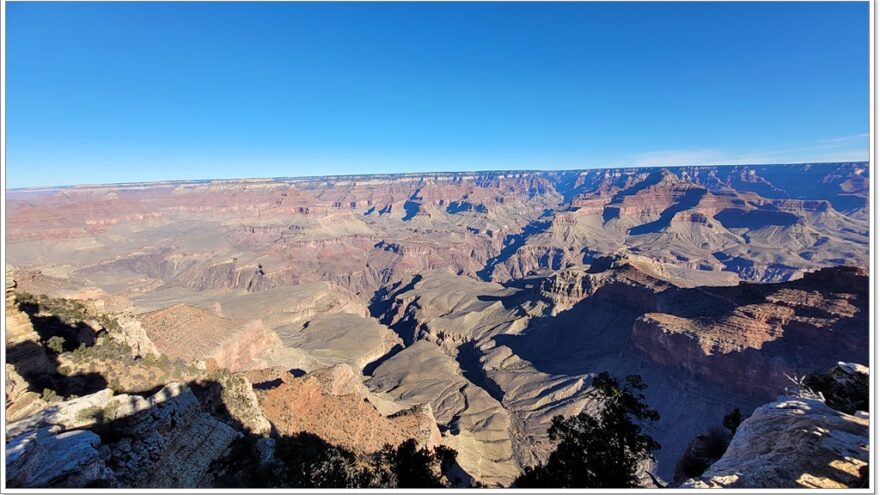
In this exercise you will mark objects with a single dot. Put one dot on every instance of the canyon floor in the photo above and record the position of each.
(463, 309)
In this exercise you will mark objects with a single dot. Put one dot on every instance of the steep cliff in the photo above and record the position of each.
(751, 336)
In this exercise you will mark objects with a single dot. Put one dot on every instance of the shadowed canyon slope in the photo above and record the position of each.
(466, 309)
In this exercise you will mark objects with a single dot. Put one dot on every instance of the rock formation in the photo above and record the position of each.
(795, 442)
(333, 404)
(167, 439)
(47, 459)
(191, 334)
(462, 309)
(751, 336)
(24, 356)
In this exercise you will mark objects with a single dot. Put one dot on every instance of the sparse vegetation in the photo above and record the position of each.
(89, 413)
(701, 453)
(49, 395)
(848, 396)
(56, 344)
(602, 450)
(408, 466)
(305, 460)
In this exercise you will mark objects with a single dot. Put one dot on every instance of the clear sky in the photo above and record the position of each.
(113, 92)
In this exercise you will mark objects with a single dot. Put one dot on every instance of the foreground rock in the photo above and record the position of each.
(171, 444)
(796, 442)
(26, 359)
(42, 458)
(68, 415)
(166, 440)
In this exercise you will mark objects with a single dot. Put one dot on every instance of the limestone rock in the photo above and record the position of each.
(42, 458)
(241, 403)
(23, 348)
(133, 334)
(68, 415)
(172, 443)
(20, 401)
(796, 442)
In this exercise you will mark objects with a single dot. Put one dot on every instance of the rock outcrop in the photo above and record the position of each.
(170, 443)
(795, 442)
(21, 402)
(132, 334)
(68, 415)
(167, 439)
(45, 458)
(333, 404)
(241, 403)
(751, 336)
(26, 359)
(192, 334)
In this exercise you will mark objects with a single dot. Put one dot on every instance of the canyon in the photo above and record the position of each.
(458, 309)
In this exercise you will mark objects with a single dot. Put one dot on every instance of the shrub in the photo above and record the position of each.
(733, 420)
(847, 396)
(701, 453)
(49, 395)
(89, 413)
(413, 467)
(56, 344)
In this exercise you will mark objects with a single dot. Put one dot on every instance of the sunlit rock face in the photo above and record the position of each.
(796, 442)
(462, 309)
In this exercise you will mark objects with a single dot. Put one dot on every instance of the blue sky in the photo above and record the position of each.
(114, 92)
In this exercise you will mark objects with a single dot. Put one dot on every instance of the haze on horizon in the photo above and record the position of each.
(106, 92)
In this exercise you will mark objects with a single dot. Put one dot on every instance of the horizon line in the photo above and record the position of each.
(407, 174)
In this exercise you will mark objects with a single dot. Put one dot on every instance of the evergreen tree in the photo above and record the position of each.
(602, 450)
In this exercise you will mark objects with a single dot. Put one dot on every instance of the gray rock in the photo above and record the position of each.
(796, 442)
(42, 458)
(171, 443)
(68, 415)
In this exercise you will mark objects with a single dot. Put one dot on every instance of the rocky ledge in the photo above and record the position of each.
(795, 442)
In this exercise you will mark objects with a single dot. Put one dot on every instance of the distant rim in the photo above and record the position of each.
(309, 178)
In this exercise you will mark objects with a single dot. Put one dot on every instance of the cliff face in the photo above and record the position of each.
(627, 281)
(191, 334)
(167, 439)
(750, 336)
(795, 442)
(25, 358)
